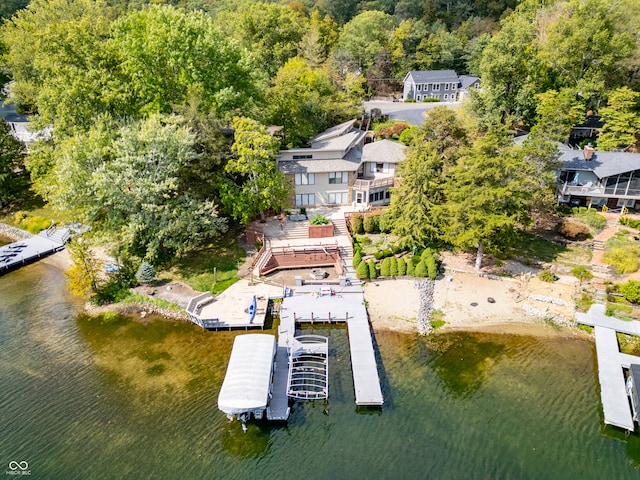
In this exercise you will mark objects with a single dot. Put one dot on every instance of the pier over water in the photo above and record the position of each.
(30, 249)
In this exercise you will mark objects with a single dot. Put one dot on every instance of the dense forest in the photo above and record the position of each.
(159, 109)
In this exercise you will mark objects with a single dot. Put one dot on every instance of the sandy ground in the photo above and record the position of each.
(463, 296)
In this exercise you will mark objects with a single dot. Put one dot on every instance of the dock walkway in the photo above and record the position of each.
(345, 305)
(17, 254)
(613, 393)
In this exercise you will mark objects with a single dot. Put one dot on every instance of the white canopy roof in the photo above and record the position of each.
(246, 384)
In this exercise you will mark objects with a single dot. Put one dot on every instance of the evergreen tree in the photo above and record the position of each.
(621, 120)
(373, 272)
(362, 270)
(402, 267)
(145, 274)
(385, 267)
(393, 266)
(410, 267)
(421, 269)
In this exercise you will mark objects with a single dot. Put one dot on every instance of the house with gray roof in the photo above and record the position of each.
(593, 178)
(445, 85)
(339, 169)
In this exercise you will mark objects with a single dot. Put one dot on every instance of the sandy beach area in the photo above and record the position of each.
(469, 301)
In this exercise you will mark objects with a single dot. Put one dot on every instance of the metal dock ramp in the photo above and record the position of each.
(278, 407)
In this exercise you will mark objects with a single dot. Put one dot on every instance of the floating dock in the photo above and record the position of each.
(335, 304)
(613, 391)
(23, 252)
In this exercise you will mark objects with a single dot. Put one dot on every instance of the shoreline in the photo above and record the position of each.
(468, 302)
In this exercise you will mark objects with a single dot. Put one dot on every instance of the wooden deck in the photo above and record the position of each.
(23, 252)
(613, 394)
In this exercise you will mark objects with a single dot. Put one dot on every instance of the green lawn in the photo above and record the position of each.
(532, 247)
(196, 268)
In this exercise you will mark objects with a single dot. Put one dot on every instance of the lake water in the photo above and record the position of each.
(83, 398)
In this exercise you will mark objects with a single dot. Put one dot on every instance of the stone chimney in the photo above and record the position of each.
(588, 152)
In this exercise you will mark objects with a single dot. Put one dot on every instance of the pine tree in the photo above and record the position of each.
(410, 268)
(385, 267)
(145, 274)
(393, 266)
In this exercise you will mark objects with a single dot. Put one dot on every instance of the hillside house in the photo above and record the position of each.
(339, 169)
(592, 178)
(444, 85)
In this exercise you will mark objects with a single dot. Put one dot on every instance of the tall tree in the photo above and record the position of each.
(124, 180)
(415, 210)
(487, 196)
(271, 33)
(13, 177)
(253, 183)
(621, 119)
(557, 112)
(365, 36)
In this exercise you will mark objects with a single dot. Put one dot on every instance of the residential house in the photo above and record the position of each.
(339, 169)
(444, 85)
(592, 178)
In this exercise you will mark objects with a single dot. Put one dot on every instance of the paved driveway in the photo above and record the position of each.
(408, 112)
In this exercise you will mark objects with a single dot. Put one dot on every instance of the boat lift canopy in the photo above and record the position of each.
(247, 384)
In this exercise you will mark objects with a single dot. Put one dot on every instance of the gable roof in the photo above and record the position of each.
(603, 164)
(467, 80)
(383, 151)
(432, 76)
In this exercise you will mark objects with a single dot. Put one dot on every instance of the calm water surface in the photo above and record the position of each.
(95, 399)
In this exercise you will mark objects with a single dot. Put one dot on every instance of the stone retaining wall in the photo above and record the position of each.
(12, 233)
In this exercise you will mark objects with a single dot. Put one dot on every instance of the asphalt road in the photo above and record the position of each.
(412, 113)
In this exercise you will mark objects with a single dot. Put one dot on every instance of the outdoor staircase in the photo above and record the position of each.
(598, 244)
(296, 230)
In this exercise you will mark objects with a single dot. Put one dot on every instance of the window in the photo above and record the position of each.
(626, 203)
(305, 178)
(418, 98)
(305, 199)
(436, 87)
(338, 198)
(446, 96)
(338, 177)
(446, 86)
(302, 157)
(419, 87)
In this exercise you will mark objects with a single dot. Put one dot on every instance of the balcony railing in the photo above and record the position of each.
(590, 190)
(364, 184)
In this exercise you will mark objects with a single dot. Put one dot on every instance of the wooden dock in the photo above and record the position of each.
(613, 393)
(363, 363)
(23, 252)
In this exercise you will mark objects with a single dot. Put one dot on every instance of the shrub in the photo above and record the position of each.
(590, 216)
(630, 222)
(410, 267)
(573, 230)
(320, 220)
(393, 266)
(405, 136)
(370, 223)
(547, 276)
(385, 223)
(357, 258)
(35, 224)
(356, 223)
(363, 239)
(421, 269)
(624, 258)
(402, 267)
(145, 274)
(432, 267)
(385, 267)
(430, 100)
(581, 273)
(362, 271)
(631, 291)
(373, 273)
